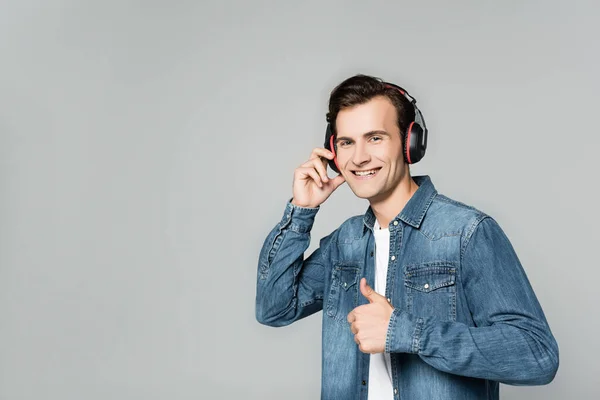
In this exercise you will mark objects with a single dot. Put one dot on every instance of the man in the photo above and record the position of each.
(452, 312)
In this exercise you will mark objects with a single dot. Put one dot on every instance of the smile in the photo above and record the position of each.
(366, 174)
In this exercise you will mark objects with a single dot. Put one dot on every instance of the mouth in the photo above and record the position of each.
(365, 174)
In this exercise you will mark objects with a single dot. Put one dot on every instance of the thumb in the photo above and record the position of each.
(337, 181)
(369, 293)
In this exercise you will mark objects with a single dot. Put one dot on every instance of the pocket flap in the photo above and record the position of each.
(347, 277)
(430, 278)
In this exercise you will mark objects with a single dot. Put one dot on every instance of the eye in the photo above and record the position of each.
(376, 138)
(343, 142)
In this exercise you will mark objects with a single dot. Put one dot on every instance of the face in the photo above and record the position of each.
(369, 149)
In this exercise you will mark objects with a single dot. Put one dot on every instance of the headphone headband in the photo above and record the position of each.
(418, 115)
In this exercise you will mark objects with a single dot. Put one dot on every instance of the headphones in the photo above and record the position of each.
(414, 140)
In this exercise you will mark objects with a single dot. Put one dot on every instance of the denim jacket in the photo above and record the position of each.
(465, 315)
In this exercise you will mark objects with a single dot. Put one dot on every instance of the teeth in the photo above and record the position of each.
(364, 173)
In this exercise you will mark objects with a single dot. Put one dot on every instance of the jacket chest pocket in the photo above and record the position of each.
(343, 292)
(431, 290)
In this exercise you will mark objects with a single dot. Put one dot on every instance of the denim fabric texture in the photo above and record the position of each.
(465, 315)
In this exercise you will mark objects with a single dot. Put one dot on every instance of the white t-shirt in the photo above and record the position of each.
(380, 370)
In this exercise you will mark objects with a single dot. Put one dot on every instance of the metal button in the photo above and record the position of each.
(389, 300)
(364, 383)
(426, 286)
(395, 222)
(345, 284)
(393, 258)
(395, 391)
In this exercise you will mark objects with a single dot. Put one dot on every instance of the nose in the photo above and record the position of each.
(361, 156)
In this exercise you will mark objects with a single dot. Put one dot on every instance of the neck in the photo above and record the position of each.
(389, 205)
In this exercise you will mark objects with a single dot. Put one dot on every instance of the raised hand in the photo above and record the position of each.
(311, 185)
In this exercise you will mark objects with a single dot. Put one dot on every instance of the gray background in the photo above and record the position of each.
(147, 148)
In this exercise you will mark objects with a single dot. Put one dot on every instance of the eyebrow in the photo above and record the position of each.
(365, 135)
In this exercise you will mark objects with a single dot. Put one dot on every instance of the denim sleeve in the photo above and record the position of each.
(288, 286)
(511, 341)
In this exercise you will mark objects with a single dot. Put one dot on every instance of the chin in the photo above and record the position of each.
(364, 194)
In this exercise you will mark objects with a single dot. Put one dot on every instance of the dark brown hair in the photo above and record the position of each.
(359, 89)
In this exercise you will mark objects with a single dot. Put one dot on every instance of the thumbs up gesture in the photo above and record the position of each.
(369, 322)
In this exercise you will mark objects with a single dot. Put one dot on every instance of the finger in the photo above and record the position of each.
(337, 181)
(356, 340)
(362, 348)
(321, 152)
(353, 328)
(366, 290)
(351, 317)
(310, 171)
(318, 163)
(370, 294)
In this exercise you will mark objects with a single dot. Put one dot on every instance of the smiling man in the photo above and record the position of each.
(423, 297)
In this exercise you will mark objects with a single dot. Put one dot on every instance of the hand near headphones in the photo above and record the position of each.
(311, 185)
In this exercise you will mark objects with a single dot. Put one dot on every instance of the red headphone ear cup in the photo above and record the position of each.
(332, 149)
(407, 144)
(414, 149)
(329, 137)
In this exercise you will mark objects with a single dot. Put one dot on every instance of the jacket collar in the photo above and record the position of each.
(415, 209)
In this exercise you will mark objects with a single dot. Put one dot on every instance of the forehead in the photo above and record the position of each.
(377, 114)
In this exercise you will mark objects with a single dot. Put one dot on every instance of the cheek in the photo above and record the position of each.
(343, 157)
(393, 159)
(388, 155)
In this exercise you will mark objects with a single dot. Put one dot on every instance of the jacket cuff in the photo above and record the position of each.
(299, 219)
(404, 333)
